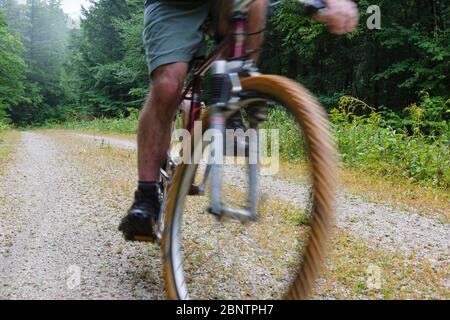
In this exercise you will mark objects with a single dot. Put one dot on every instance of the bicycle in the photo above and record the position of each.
(237, 84)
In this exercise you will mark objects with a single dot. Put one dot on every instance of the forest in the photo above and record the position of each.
(387, 90)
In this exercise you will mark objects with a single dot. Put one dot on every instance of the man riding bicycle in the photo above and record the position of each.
(173, 37)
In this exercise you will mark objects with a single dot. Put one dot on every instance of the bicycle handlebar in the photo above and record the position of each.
(310, 8)
(313, 6)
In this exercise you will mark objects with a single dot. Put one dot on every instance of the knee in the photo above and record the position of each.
(167, 84)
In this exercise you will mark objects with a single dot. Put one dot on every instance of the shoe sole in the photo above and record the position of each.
(133, 230)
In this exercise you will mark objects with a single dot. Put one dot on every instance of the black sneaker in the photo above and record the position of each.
(142, 218)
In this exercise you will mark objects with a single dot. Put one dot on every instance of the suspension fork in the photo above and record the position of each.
(226, 87)
(253, 169)
(219, 103)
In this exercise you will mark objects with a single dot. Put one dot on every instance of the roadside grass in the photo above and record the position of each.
(8, 140)
(122, 125)
(353, 268)
(397, 193)
(367, 144)
(352, 265)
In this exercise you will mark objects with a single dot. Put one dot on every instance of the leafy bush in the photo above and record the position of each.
(120, 125)
(291, 142)
(4, 126)
(366, 141)
(430, 116)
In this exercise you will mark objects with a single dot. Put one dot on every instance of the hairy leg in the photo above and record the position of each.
(154, 130)
(257, 14)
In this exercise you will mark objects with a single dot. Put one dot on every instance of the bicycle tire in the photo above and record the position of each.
(316, 130)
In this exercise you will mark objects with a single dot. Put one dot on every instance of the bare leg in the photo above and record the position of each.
(155, 122)
(256, 22)
(154, 131)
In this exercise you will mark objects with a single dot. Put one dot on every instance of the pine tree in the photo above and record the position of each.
(12, 72)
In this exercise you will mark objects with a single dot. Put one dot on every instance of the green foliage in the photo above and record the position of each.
(403, 68)
(107, 73)
(387, 67)
(367, 141)
(30, 109)
(12, 70)
(4, 126)
(119, 124)
(291, 142)
(41, 26)
(427, 117)
(364, 141)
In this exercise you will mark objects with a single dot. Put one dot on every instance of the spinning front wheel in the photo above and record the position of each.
(281, 254)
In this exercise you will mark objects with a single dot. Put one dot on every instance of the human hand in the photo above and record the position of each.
(341, 16)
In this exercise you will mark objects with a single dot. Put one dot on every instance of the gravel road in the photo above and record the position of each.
(379, 225)
(59, 241)
(57, 238)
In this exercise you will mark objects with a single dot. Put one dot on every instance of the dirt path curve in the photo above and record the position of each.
(378, 225)
(57, 239)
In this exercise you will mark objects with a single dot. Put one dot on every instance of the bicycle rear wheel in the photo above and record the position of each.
(304, 257)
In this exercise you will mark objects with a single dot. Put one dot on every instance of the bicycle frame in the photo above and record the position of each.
(236, 41)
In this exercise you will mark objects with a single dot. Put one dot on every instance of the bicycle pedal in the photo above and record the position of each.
(145, 239)
(242, 215)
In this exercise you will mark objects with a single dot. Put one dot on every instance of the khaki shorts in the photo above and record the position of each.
(173, 30)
